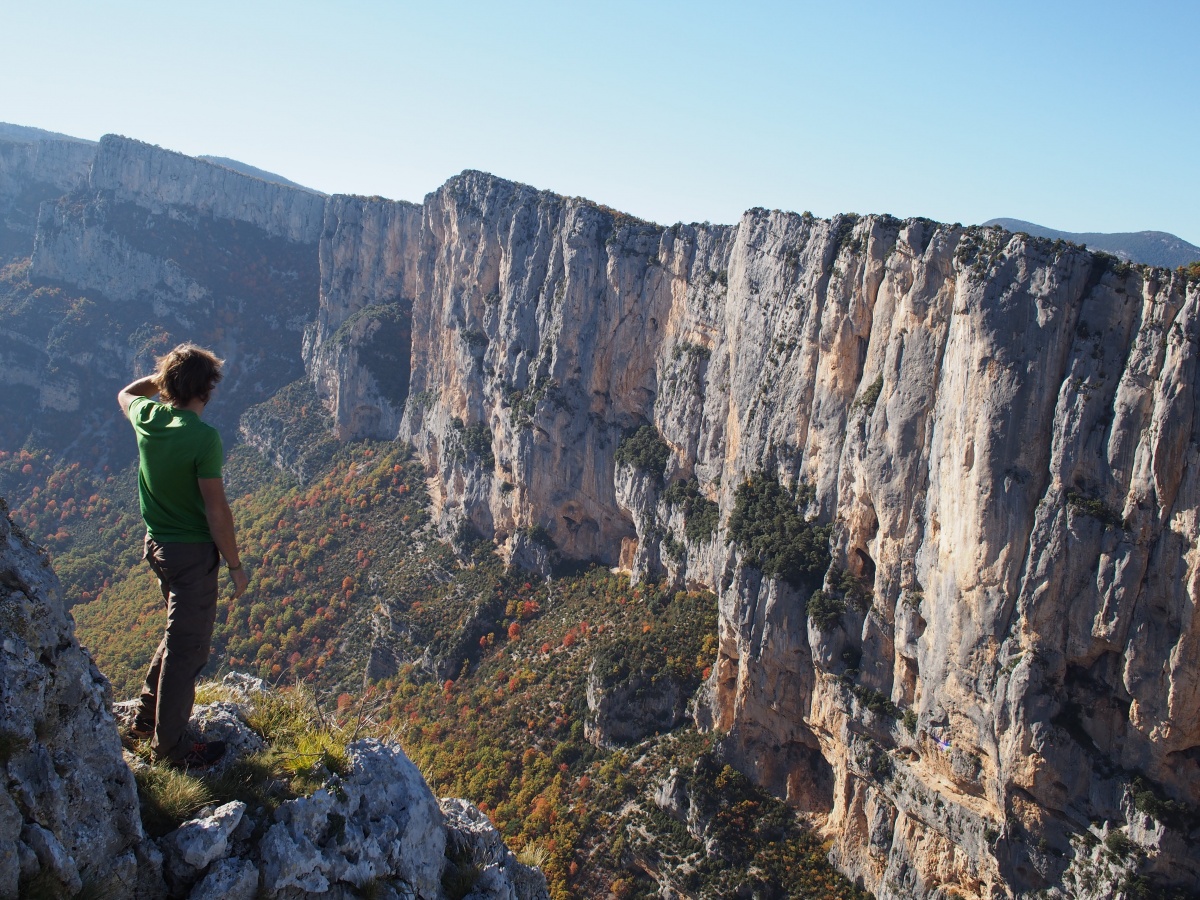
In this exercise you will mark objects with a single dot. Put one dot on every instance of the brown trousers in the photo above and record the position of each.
(187, 574)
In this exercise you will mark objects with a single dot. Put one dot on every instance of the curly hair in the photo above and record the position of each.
(187, 373)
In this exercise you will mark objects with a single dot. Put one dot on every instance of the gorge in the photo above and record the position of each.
(956, 626)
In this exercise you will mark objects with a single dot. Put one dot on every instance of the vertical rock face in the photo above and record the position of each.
(69, 807)
(1000, 431)
(357, 350)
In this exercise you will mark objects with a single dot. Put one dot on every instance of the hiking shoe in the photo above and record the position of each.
(202, 755)
(134, 735)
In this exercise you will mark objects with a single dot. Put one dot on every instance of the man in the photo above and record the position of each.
(188, 528)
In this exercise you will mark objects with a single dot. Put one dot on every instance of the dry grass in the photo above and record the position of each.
(169, 797)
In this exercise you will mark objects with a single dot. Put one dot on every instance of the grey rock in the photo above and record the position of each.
(151, 881)
(379, 821)
(473, 840)
(671, 796)
(68, 795)
(243, 685)
(28, 864)
(228, 879)
(11, 848)
(52, 856)
(224, 721)
(198, 842)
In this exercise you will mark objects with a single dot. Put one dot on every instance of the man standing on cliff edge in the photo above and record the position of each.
(189, 527)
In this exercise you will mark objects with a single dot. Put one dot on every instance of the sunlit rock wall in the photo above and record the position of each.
(999, 429)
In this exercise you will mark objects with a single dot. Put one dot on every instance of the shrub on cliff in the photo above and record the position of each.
(304, 747)
(646, 451)
(769, 528)
(700, 515)
(475, 443)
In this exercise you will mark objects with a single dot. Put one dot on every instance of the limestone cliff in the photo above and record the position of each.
(164, 180)
(34, 168)
(995, 691)
(357, 350)
(999, 430)
(153, 249)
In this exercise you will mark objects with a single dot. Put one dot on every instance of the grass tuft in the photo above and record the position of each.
(169, 797)
(462, 871)
(535, 854)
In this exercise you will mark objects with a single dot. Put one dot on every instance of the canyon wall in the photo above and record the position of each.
(153, 249)
(357, 349)
(988, 689)
(33, 170)
(999, 431)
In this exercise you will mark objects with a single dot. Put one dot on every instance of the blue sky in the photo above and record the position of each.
(1079, 116)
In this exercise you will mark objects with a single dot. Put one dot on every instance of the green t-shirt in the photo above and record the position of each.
(174, 449)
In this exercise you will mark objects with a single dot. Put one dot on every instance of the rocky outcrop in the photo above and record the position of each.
(481, 859)
(69, 808)
(632, 709)
(374, 827)
(380, 821)
(998, 430)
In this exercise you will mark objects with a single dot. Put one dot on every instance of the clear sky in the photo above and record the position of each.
(1083, 116)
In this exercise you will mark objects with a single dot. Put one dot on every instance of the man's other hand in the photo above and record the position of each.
(240, 581)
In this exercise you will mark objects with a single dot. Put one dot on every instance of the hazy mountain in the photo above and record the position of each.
(1155, 248)
(255, 172)
(24, 133)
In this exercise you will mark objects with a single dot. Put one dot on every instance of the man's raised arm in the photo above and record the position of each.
(143, 387)
(220, 524)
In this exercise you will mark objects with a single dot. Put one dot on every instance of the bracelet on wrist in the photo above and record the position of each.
(233, 568)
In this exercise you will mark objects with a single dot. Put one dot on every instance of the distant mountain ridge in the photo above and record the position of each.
(256, 172)
(1154, 248)
(27, 134)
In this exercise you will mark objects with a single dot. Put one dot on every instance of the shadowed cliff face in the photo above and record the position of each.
(998, 429)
